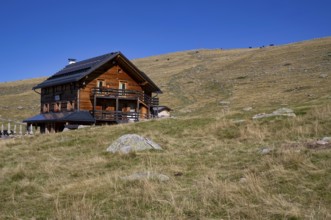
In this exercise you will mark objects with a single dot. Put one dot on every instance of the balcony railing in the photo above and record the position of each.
(118, 116)
(124, 93)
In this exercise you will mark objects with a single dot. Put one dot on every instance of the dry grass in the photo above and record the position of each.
(69, 175)
(215, 164)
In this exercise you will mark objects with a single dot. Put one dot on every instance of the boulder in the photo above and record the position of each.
(131, 143)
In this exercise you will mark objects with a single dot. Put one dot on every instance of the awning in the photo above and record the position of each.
(83, 117)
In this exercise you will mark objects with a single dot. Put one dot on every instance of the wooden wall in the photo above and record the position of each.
(76, 96)
(110, 79)
(58, 96)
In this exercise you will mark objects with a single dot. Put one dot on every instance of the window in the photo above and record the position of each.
(56, 107)
(100, 83)
(46, 108)
(70, 105)
(122, 88)
(122, 85)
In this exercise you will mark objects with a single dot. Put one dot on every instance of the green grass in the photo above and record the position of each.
(215, 166)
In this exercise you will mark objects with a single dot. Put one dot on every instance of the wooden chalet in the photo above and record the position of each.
(107, 89)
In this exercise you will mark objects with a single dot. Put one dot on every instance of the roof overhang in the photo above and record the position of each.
(83, 117)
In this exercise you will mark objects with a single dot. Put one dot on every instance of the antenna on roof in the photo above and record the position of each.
(71, 60)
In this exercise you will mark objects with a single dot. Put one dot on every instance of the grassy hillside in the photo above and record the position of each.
(260, 78)
(215, 164)
(18, 100)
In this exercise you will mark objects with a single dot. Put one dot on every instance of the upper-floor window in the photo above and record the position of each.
(56, 106)
(100, 83)
(70, 105)
(122, 85)
(46, 107)
(122, 88)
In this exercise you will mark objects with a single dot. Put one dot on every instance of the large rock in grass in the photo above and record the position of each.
(131, 143)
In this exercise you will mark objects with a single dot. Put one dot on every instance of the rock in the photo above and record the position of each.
(247, 109)
(327, 139)
(262, 115)
(146, 176)
(323, 75)
(325, 143)
(265, 150)
(284, 112)
(224, 102)
(132, 142)
(242, 180)
(239, 121)
(83, 126)
(321, 142)
(279, 112)
(65, 129)
(20, 108)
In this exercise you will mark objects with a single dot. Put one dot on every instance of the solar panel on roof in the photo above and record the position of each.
(76, 71)
(89, 63)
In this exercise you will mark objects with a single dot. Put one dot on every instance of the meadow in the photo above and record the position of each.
(213, 149)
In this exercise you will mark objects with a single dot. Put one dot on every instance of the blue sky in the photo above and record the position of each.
(37, 36)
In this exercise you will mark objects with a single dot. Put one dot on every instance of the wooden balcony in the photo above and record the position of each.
(103, 92)
(118, 116)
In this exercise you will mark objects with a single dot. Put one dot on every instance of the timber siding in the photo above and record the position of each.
(110, 79)
(102, 90)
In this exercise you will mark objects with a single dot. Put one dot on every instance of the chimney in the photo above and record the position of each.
(71, 60)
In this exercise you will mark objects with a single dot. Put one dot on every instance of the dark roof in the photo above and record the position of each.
(76, 117)
(77, 71)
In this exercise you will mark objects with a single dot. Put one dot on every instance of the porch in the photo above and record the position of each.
(103, 116)
(121, 105)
